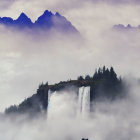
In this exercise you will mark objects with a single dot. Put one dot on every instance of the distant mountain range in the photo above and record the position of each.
(123, 27)
(46, 21)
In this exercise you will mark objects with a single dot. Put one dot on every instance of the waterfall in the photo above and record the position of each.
(50, 105)
(83, 101)
(86, 101)
(64, 103)
(61, 104)
(49, 96)
(80, 100)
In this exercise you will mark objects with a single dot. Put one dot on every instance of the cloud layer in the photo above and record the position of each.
(26, 60)
(118, 120)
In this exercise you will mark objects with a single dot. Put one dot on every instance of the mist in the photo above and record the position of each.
(29, 58)
(118, 120)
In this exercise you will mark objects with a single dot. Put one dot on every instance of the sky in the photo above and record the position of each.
(26, 60)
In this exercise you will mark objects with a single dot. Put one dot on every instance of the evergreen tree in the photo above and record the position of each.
(95, 76)
(113, 75)
(80, 78)
(87, 77)
(104, 69)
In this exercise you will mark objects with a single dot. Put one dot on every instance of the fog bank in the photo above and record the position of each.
(118, 120)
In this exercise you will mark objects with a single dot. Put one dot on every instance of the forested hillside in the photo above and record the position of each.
(104, 84)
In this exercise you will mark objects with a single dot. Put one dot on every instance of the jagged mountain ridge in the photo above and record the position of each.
(104, 84)
(46, 21)
(127, 28)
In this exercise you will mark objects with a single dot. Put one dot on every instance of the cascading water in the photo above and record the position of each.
(83, 101)
(63, 103)
(50, 105)
(80, 100)
(49, 96)
(86, 101)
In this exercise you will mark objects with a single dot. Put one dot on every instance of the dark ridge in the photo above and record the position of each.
(6, 21)
(127, 28)
(104, 84)
(46, 21)
(23, 20)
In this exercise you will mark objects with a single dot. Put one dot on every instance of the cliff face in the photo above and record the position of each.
(104, 84)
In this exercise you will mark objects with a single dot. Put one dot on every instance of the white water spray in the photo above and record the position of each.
(84, 101)
(50, 105)
(64, 103)
(49, 96)
(80, 100)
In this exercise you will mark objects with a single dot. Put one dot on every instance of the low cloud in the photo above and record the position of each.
(118, 120)
(26, 60)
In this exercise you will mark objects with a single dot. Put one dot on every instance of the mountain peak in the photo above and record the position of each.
(57, 14)
(23, 16)
(46, 21)
(23, 20)
(127, 27)
(47, 13)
